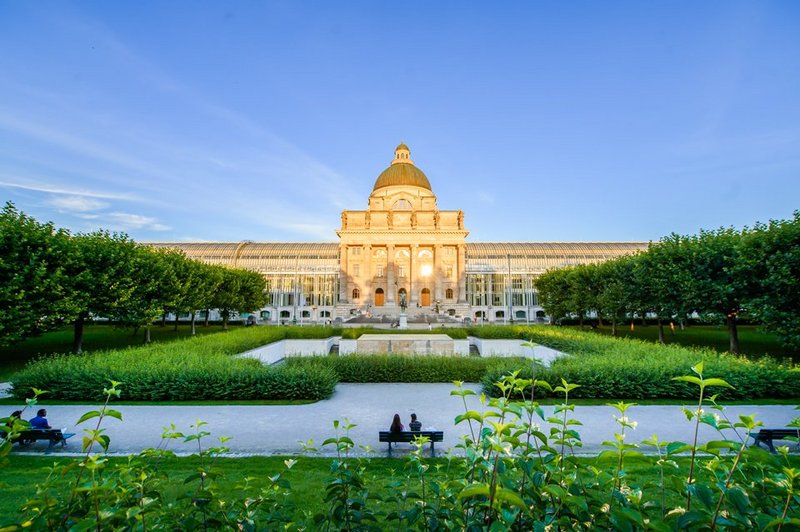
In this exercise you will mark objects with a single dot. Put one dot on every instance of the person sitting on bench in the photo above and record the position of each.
(397, 426)
(40, 421)
(414, 426)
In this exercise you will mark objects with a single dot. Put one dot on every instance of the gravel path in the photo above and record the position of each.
(271, 430)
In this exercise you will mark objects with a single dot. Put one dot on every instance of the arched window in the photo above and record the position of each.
(356, 293)
(448, 294)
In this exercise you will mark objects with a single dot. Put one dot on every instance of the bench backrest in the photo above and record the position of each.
(407, 436)
(780, 432)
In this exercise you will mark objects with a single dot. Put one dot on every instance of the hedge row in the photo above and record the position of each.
(193, 369)
(633, 369)
(407, 368)
(355, 332)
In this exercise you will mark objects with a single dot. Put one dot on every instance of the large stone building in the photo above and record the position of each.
(403, 250)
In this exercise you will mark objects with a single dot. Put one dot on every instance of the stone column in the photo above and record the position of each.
(462, 274)
(344, 297)
(390, 286)
(412, 275)
(437, 273)
(367, 273)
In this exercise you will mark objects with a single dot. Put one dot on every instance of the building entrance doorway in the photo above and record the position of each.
(379, 297)
(425, 298)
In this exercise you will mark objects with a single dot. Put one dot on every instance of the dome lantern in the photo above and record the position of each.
(402, 172)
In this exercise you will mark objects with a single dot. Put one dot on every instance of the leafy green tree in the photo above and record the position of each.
(770, 254)
(615, 278)
(155, 286)
(31, 275)
(722, 285)
(203, 282)
(674, 262)
(553, 289)
(239, 291)
(582, 297)
(100, 280)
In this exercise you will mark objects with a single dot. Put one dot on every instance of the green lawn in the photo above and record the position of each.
(95, 337)
(752, 341)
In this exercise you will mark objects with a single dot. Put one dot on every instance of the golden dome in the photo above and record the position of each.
(402, 172)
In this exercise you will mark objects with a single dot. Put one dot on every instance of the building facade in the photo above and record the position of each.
(402, 251)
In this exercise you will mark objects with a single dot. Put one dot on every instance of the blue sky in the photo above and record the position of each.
(543, 121)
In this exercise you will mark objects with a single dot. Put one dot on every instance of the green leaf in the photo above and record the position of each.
(88, 415)
(114, 413)
(507, 496)
(717, 382)
(474, 490)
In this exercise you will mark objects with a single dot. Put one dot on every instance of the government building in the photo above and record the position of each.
(402, 251)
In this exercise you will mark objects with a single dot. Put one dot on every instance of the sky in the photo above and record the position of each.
(542, 121)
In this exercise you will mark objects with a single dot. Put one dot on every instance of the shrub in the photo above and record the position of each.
(407, 368)
(192, 369)
(356, 332)
(634, 369)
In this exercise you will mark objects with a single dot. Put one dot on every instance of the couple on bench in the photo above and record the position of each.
(413, 426)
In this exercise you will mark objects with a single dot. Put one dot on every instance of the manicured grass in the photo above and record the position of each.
(752, 341)
(95, 338)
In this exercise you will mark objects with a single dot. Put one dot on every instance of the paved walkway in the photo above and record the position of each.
(270, 430)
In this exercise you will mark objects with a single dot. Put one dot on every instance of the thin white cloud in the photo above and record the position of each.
(77, 203)
(10, 182)
(125, 221)
(135, 221)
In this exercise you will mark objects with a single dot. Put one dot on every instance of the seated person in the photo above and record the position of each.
(396, 425)
(40, 421)
(10, 421)
(414, 426)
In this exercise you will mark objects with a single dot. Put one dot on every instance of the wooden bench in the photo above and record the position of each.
(409, 436)
(54, 436)
(766, 436)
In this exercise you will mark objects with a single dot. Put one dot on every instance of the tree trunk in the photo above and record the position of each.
(614, 327)
(77, 339)
(164, 320)
(660, 331)
(682, 323)
(600, 319)
(175, 328)
(644, 319)
(224, 320)
(193, 321)
(147, 334)
(205, 322)
(733, 333)
(580, 319)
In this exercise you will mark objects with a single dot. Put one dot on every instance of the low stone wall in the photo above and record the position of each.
(422, 344)
(277, 351)
(426, 344)
(514, 348)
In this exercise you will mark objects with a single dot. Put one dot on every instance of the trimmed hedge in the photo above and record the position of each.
(407, 368)
(355, 332)
(615, 368)
(192, 369)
